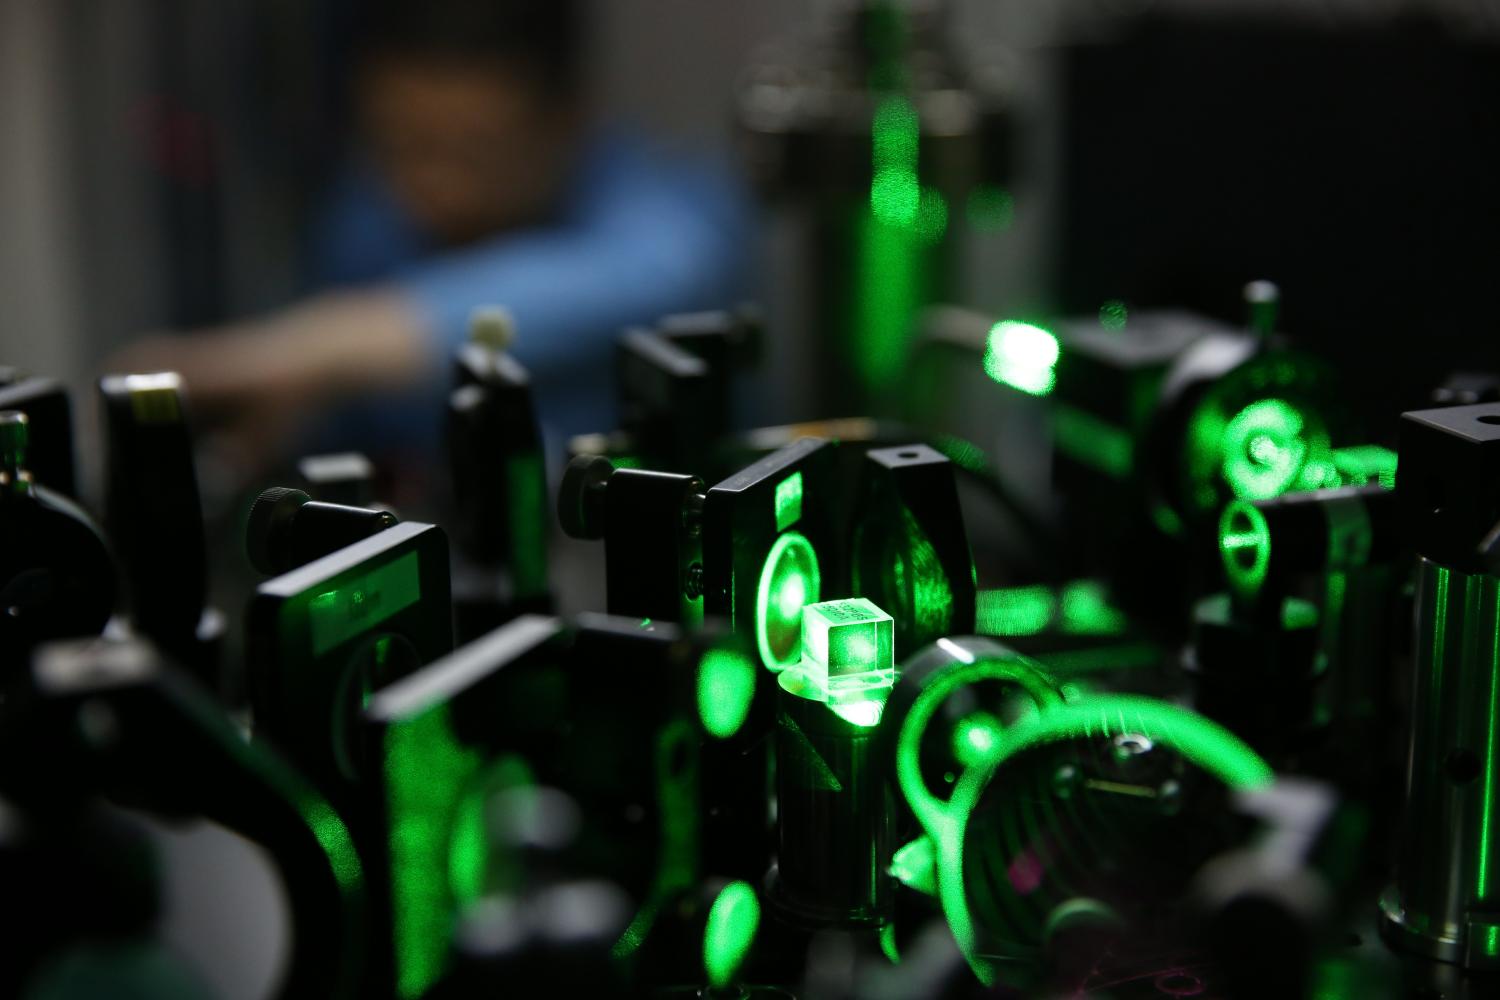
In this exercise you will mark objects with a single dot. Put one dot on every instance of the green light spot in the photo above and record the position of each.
(1113, 315)
(1244, 547)
(789, 501)
(915, 866)
(732, 923)
(789, 579)
(1022, 356)
(1013, 611)
(932, 217)
(895, 197)
(726, 686)
(991, 209)
(864, 714)
(1268, 449)
(1086, 438)
(975, 737)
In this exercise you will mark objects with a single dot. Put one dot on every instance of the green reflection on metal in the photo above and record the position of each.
(732, 922)
(789, 579)
(1244, 546)
(914, 865)
(426, 772)
(789, 501)
(991, 208)
(1486, 814)
(1113, 315)
(336, 616)
(1091, 441)
(726, 685)
(888, 944)
(677, 850)
(1022, 356)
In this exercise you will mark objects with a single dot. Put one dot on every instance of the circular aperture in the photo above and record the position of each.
(1245, 546)
(789, 581)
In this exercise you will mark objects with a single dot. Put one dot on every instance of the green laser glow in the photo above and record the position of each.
(1244, 546)
(1267, 449)
(888, 944)
(789, 579)
(789, 501)
(1113, 315)
(732, 922)
(1359, 465)
(1022, 356)
(914, 865)
(1012, 611)
(975, 737)
(333, 835)
(865, 714)
(426, 772)
(726, 686)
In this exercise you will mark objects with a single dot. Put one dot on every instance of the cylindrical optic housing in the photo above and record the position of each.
(834, 806)
(1446, 900)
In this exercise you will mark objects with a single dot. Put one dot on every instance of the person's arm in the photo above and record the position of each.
(645, 243)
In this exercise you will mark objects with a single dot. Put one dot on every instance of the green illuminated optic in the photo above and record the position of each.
(789, 580)
(975, 737)
(888, 944)
(732, 923)
(1244, 546)
(1266, 451)
(1022, 356)
(789, 501)
(943, 826)
(726, 686)
(1204, 743)
(848, 652)
(1113, 315)
(1086, 610)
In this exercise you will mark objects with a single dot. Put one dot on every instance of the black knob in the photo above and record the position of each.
(580, 499)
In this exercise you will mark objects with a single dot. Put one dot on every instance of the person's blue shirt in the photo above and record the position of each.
(638, 234)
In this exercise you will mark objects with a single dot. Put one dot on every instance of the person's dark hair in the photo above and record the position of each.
(543, 39)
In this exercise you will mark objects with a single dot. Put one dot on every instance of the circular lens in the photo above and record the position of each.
(788, 581)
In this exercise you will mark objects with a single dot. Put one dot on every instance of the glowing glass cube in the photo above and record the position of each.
(848, 649)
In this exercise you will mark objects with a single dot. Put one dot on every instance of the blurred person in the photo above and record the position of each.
(482, 177)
